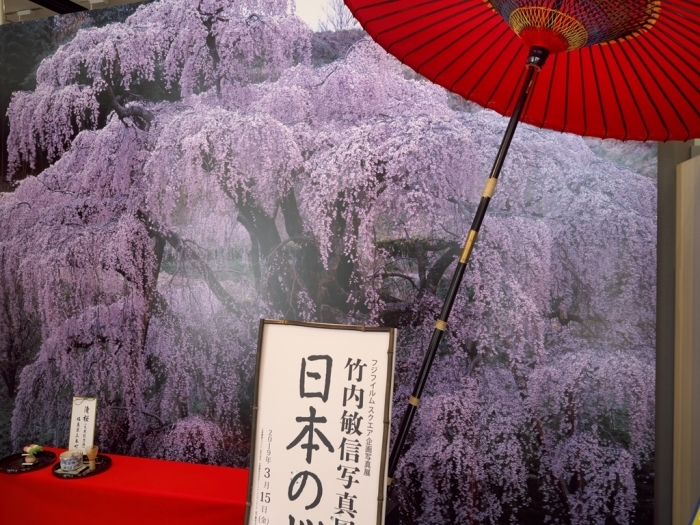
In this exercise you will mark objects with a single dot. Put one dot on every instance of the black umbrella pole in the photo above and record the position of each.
(535, 60)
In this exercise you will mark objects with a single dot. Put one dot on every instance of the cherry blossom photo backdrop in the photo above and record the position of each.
(173, 173)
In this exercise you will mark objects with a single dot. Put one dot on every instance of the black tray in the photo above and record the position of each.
(13, 464)
(102, 463)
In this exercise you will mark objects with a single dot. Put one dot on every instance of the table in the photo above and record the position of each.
(132, 491)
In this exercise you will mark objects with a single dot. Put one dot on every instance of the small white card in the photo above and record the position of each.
(82, 423)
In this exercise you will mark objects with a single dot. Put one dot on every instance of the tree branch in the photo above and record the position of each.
(402, 276)
(181, 247)
(141, 116)
(438, 269)
(162, 423)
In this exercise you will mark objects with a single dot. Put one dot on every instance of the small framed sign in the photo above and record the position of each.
(320, 424)
(82, 423)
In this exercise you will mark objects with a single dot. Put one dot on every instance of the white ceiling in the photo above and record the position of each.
(20, 10)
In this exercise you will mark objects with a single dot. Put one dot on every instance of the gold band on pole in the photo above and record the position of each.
(388, 481)
(441, 325)
(490, 187)
(413, 400)
(468, 246)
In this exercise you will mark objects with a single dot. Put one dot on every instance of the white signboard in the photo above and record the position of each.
(320, 424)
(82, 423)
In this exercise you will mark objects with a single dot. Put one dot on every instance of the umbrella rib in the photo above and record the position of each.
(406, 37)
(690, 10)
(437, 37)
(629, 89)
(566, 96)
(583, 93)
(681, 73)
(449, 65)
(672, 37)
(646, 91)
(387, 2)
(617, 99)
(663, 91)
(549, 91)
(505, 72)
(461, 76)
(680, 22)
(597, 90)
(679, 7)
(415, 18)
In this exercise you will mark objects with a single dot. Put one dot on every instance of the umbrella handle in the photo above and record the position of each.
(535, 60)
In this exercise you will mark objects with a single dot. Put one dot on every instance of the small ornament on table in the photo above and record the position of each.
(91, 454)
(30, 454)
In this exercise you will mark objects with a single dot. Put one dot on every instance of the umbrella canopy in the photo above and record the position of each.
(624, 69)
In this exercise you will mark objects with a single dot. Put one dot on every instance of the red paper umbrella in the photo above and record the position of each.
(624, 69)
(632, 70)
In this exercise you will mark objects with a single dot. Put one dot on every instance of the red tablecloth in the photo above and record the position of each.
(132, 491)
